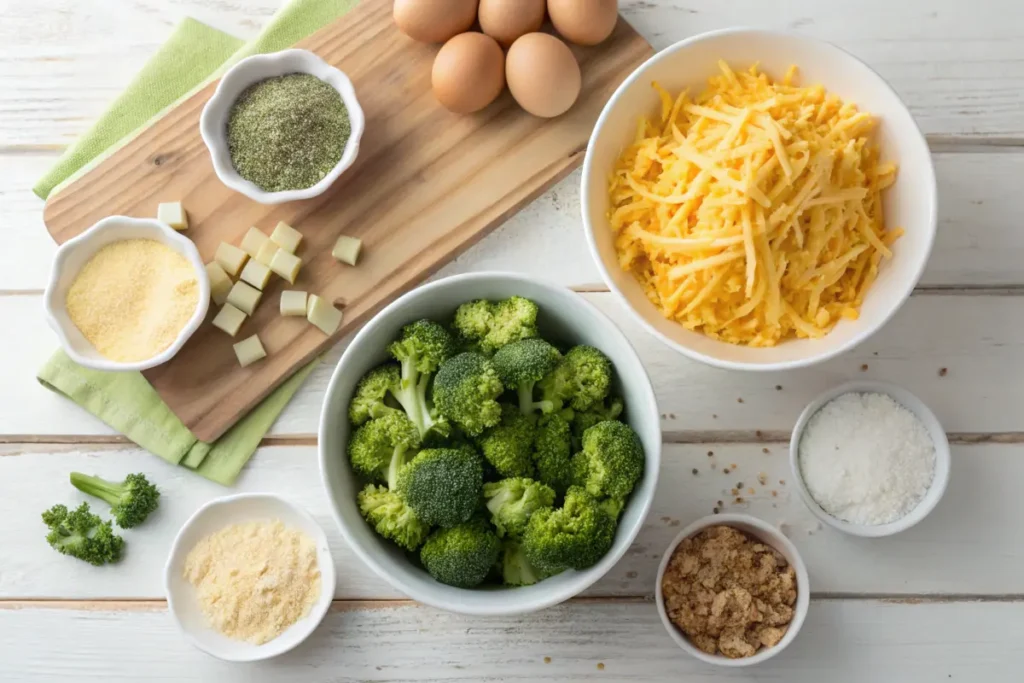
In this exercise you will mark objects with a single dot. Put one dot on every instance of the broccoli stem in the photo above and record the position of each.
(94, 486)
(526, 403)
(397, 463)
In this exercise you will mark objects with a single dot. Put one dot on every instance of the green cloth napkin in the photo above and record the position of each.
(194, 54)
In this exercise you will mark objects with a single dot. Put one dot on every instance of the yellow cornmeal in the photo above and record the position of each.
(132, 298)
(255, 579)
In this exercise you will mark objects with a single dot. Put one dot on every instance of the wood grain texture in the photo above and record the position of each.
(426, 185)
(972, 544)
(841, 642)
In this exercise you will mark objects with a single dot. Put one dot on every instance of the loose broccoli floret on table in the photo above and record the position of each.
(521, 365)
(131, 500)
(83, 535)
(512, 501)
(370, 399)
(421, 348)
(466, 391)
(442, 485)
(463, 555)
(380, 448)
(611, 462)
(490, 325)
(508, 446)
(391, 517)
(575, 536)
(582, 379)
(552, 452)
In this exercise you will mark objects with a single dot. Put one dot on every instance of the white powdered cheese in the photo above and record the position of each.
(866, 459)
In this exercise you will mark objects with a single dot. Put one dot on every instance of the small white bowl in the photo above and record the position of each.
(76, 252)
(910, 203)
(214, 120)
(912, 403)
(565, 316)
(768, 535)
(182, 599)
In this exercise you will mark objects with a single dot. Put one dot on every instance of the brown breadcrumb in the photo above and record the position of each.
(729, 593)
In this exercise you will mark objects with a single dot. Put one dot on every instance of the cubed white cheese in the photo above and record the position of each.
(286, 265)
(346, 249)
(173, 214)
(253, 240)
(266, 253)
(249, 351)
(322, 314)
(244, 297)
(256, 274)
(220, 283)
(231, 258)
(286, 237)
(229, 319)
(293, 302)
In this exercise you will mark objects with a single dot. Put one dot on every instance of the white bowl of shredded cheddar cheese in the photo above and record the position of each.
(126, 294)
(760, 200)
(249, 577)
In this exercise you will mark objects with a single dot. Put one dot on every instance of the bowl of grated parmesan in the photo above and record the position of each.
(869, 458)
(759, 200)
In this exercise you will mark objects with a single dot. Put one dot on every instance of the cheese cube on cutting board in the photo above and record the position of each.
(230, 258)
(229, 319)
(346, 249)
(244, 297)
(220, 283)
(173, 214)
(253, 241)
(293, 303)
(286, 237)
(249, 350)
(256, 274)
(286, 265)
(321, 313)
(266, 253)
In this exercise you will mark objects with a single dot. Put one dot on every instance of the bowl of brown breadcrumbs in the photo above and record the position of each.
(732, 590)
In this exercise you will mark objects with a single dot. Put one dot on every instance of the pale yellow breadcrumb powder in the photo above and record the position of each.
(254, 580)
(132, 298)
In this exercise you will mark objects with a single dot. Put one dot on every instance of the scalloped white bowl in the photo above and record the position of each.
(76, 252)
(251, 70)
(911, 202)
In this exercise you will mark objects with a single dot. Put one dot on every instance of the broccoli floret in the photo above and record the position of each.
(489, 325)
(511, 502)
(463, 555)
(612, 507)
(130, 501)
(82, 534)
(574, 536)
(610, 409)
(521, 365)
(391, 517)
(466, 391)
(516, 570)
(380, 448)
(611, 462)
(509, 445)
(442, 485)
(552, 452)
(582, 379)
(421, 348)
(369, 401)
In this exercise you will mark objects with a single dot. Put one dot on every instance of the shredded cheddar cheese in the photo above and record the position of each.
(753, 213)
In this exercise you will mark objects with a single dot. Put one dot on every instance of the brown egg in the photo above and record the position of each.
(584, 22)
(434, 21)
(542, 74)
(469, 72)
(506, 20)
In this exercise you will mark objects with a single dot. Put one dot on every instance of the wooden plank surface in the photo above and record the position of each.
(426, 185)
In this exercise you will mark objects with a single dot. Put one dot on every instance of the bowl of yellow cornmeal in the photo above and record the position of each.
(126, 294)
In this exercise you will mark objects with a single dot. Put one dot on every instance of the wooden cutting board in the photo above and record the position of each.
(427, 185)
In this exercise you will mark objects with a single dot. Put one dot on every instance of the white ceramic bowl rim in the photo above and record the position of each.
(213, 121)
(772, 537)
(585, 196)
(916, 406)
(53, 302)
(538, 600)
(300, 630)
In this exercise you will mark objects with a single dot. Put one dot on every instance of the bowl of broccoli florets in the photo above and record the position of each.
(490, 444)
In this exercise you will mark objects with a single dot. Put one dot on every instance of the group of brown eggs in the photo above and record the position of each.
(471, 68)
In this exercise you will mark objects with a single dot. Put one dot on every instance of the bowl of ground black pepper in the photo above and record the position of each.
(282, 127)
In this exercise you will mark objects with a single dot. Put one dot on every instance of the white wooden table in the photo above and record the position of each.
(944, 601)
